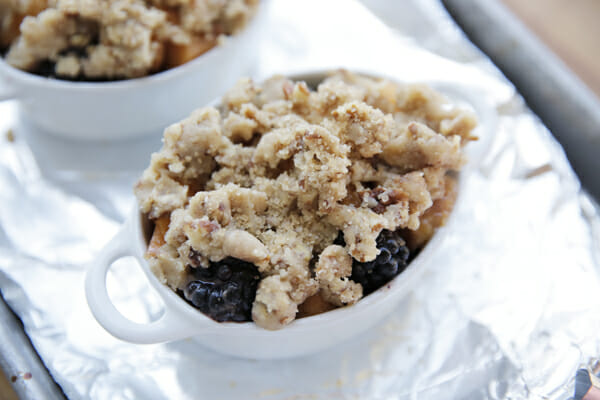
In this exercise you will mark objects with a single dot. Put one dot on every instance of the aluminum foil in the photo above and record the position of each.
(510, 308)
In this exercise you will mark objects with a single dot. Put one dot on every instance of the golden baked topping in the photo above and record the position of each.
(278, 171)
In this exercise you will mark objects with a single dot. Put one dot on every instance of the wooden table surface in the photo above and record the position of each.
(568, 27)
(6, 392)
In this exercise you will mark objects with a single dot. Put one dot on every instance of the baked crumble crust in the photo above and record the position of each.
(274, 173)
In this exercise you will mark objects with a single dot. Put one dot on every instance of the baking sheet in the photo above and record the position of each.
(509, 310)
(566, 105)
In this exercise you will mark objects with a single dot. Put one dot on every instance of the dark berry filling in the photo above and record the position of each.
(392, 259)
(225, 290)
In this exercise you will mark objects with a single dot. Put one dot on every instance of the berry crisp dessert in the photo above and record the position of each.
(286, 201)
(100, 40)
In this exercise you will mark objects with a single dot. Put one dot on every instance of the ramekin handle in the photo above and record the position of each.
(172, 325)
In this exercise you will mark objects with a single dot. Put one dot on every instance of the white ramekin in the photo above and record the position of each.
(133, 107)
(302, 336)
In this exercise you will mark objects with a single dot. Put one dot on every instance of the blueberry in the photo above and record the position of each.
(225, 290)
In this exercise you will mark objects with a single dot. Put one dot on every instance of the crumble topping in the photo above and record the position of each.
(278, 170)
(114, 39)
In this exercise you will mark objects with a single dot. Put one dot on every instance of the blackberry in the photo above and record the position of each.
(392, 259)
(225, 290)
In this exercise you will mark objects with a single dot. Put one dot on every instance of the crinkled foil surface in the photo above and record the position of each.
(509, 308)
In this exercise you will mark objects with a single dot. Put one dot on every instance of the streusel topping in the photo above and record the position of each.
(276, 172)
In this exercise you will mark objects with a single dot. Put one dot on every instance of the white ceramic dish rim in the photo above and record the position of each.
(28, 78)
(181, 320)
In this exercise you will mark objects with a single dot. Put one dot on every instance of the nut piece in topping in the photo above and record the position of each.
(333, 271)
(273, 308)
(241, 244)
